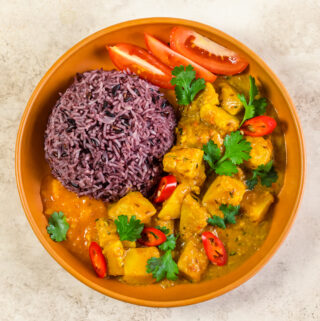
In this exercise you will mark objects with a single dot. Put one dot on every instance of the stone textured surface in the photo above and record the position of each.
(33, 34)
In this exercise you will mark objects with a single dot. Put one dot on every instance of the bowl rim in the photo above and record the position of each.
(153, 303)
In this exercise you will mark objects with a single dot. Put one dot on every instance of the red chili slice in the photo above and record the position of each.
(259, 126)
(98, 260)
(152, 237)
(166, 187)
(214, 248)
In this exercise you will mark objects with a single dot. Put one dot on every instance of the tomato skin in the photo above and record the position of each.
(98, 260)
(216, 252)
(129, 57)
(152, 240)
(172, 59)
(210, 55)
(259, 126)
(166, 187)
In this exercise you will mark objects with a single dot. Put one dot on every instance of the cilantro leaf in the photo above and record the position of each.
(163, 229)
(267, 175)
(128, 230)
(229, 212)
(216, 221)
(162, 267)
(237, 149)
(187, 86)
(58, 227)
(169, 244)
(211, 153)
(254, 107)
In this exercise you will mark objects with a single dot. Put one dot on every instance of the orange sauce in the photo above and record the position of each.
(80, 212)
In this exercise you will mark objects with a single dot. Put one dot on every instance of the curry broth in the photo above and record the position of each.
(241, 240)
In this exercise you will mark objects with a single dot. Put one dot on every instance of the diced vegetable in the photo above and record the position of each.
(259, 126)
(193, 218)
(230, 102)
(172, 207)
(166, 187)
(214, 248)
(135, 265)
(256, 204)
(152, 236)
(193, 260)
(98, 261)
(186, 164)
(164, 225)
(133, 204)
(107, 231)
(261, 151)
(115, 253)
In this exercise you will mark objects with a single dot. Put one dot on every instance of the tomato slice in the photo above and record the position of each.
(137, 60)
(259, 126)
(151, 236)
(206, 52)
(214, 248)
(166, 187)
(172, 59)
(98, 260)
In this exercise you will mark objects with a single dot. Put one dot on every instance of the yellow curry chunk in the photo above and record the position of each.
(107, 231)
(207, 96)
(193, 218)
(256, 204)
(135, 265)
(261, 152)
(193, 260)
(218, 117)
(114, 254)
(229, 99)
(171, 207)
(133, 204)
(194, 133)
(223, 190)
(169, 224)
(186, 164)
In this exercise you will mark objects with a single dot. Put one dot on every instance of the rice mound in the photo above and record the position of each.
(107, 135)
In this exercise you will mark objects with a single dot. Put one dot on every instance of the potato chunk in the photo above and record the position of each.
(223, 190)
(135, 265)
(171, 207)
(169, 224)
(114, 253)
(186, 164)
(229, 99)
(193, 218)
(195, 134)
(256, 204)
(134, 203)
(219, 118)
(261, 152)
(193, 260)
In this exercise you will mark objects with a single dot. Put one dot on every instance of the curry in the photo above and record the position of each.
(235, 210)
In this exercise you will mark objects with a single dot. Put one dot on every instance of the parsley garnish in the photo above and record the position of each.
(237, 149)
(129, 230)
(229, 213)
(254, 107)
(216, 221)
(169, 244)
(187, 86)
(58, 227)
(267, 175)
(162, 267)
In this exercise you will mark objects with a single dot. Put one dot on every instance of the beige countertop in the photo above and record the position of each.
(33, 34)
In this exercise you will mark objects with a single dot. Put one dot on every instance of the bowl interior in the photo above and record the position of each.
(31, 166)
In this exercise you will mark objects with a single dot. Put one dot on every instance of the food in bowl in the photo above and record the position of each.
(210, 210)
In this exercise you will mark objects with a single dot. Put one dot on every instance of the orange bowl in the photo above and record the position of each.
(31, 166)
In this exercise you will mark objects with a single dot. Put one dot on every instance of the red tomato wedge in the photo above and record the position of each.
(98, 260)
(137, 60)
(214, 248)
(206, 52)
(172, 59)
(259, 126)
(151, 236)
(166, 187)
